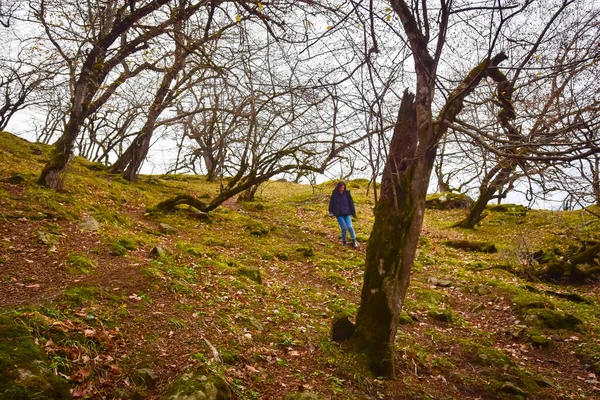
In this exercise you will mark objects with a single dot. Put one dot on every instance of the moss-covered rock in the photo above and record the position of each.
(442, 315)
(483, 247)
(529, 301)
(305, 251)
(448, 201)
(253, 274)
(198, 386)
(24, 372)
(540, 340)
(552, 319)
(511, 209)
(257, 229)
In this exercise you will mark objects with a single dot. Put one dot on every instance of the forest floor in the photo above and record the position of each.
(249, 294)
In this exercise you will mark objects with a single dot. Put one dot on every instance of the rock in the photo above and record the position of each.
(440, 282)
(511, 388)
(229, 357)
(126, 394)
(198, 386)
(517, 210)
(482, 290)
(341, 328)
(253, 274)
(253, 323)
(48, 239)
(448, 201)
(542, 381)
(158, 252)
(552, 319)
(90, 224)
(167, 229)
(24, 372)
(541, 340)
(483, 247)
(524, 302)
(145, 377)
(305, 251)
(441, 315)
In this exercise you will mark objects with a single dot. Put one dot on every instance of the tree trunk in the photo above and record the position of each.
(248, 194)
(54, 171)
(486, 193)
(393, 242)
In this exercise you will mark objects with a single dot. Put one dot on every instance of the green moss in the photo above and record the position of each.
(257, 229)
(253, 274)
(429, 297)
(80, 295)
(553, 319)
(305, 251)
(529, 301)
(200, 385)
(441, 315)
(24, 371)
(511, 209)
(191, 249)
(79, 263)
(405, 318)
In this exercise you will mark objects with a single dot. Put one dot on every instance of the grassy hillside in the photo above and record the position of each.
(243, 298)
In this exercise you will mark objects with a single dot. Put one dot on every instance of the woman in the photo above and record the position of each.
(341, 206)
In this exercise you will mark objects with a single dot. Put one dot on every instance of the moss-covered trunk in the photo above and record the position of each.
(487, 191)
(54, 171)
(393, 242)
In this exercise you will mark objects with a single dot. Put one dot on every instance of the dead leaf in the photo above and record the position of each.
(89, 332)
(250, 368)
(115, 370)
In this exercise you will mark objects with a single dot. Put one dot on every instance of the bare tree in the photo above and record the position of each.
(98, 38)
(561, 94)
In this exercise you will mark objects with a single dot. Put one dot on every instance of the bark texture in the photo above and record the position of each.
(392, 244)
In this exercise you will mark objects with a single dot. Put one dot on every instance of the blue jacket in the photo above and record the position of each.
(341, 204)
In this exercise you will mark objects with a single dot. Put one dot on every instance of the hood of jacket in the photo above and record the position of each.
(337, 187)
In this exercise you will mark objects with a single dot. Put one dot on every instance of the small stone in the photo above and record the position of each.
(158, 252)
(542, 381)
(440, 282)
(482, 290)
(168, 229)
(90, 224)
(145, 377)
(48, 239)
(441, 315)
(541, 340)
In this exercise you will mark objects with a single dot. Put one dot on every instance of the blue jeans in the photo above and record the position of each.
(345, 222)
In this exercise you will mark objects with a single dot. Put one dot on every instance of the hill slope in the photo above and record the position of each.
(246, 296)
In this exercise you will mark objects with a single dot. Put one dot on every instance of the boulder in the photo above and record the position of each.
(448, 201)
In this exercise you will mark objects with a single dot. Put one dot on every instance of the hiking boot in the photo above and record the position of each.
(355, 244)
(343, 242)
